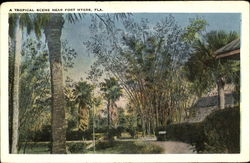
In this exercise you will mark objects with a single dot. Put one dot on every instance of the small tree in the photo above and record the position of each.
(204, 70)
(112, 92)
(83, 97)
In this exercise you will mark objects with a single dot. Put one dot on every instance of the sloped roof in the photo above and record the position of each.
(233, 48)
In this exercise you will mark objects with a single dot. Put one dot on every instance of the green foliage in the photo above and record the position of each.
(191, 133)
(115, 132)
(83, 93)
(35, 148)
(35, 87)
(81, 135)
(222, 130)
(77, 147)
(195, 29)
(83, 97)
(218, 133)
(104, 145)
(148, 63)
(12, 24)
(203, 69)
(128, 147)
(132, 131)
(68, 55)
(111, 89)
(74, 135)
(23, 21)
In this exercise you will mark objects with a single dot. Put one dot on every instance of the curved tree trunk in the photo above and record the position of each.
(15, 122)
(53, 33)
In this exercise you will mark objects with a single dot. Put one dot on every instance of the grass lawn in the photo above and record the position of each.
(127, 147)
(117, 147)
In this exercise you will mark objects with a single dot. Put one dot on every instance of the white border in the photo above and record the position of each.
(147, 7)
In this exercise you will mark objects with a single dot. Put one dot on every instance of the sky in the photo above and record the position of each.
(77, 33)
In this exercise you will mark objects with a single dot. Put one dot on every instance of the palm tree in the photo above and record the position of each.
(112, 92)
(83, 97)
(53, 31)
(17, 22)
(52, 25)
(204, 69)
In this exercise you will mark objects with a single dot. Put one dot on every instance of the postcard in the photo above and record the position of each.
(125, 81)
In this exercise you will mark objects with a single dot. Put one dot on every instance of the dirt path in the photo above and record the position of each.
(174, 147)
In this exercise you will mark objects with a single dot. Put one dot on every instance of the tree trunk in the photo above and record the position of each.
(108, 108)
(143, 126)
(11, 86)
(15, 121)
(221, 93)
(53, 33)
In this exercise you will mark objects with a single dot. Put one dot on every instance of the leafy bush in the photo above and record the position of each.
(218, 133)
(42, 135)
(77, 147)
(128, 147)
(74, 135)
(112, 132)
(104, 145)
(191, 133)
(222, 130)
(120, 130)
(79, 135)
(88, 134)
(132, 131)
(71, 124)
(145, 147)
(101, 130)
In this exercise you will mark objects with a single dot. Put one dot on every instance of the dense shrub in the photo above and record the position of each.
(79, 135)
(112, 132)
(101, 130)
(104, 145)
(71, 124)
(120, 130)
(77, 147)
(191, 133)
(42, 135)
(160, 137)
(218, 133)
(222, 130)
(128, 147)
(132, 131)
(74, 135)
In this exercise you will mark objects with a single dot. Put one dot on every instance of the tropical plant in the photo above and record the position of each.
(53, 30)
(112, 92)
(83, 97)
(204, 70)
(35, 107)
(148, 61)
(17, 22)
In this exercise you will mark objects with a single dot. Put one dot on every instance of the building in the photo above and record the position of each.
(229, 51)
(209, 103)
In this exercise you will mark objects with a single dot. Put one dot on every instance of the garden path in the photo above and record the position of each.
(173, 147)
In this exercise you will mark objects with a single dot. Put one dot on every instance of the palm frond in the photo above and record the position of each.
(74, 17)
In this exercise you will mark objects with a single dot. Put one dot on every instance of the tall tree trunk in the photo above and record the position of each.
(108, 108)
(53, 33)
(15, 121)
(143, 127)
(221, 93)
(11, 86)
(156, 117)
